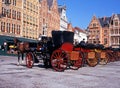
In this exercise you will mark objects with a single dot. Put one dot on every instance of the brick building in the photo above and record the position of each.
(28, 18)
(114, 28)
(10, 18)
(106, 30)
(53, 16)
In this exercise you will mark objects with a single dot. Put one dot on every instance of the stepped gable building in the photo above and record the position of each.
(114, 28)
(49, 17)
(99, 30)
(104, 23)
(63, 18)
(43, 17)
(106, 30)
(53, 16)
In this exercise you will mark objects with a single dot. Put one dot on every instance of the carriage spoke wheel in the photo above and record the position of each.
(103, 61)
(92, 62)
(103, 58)
(59, 60)
(76, 64)
(29, 60)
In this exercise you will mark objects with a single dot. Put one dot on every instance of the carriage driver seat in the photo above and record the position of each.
(67, 47)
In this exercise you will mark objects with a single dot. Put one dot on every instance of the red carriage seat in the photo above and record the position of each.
(67, 47)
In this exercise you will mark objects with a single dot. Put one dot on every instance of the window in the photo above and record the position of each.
(9, 13)
(105, 32)
(112, 32)
(116, 40)
(18, 29)
(18, 15)
(8, 27)
(2, 26)
(94, 25)
(12, 28)
(3, 0)
(116, 31)
(3, 11)
(116, 23)
(105, 40)
(14, 14)
(14, 2)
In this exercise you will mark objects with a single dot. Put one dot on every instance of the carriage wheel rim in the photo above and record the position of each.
(76, 64)
(57, 60)
(103, 61)
(29, 61)
(92, 62)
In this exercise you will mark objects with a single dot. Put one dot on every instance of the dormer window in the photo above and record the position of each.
(116, 23)
(7, 2)
(94, 25)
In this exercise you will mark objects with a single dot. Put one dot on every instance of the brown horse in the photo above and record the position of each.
(21, 48)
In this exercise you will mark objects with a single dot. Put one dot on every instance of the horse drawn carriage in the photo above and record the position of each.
(92, 54)
(57, 52)
(60, 53)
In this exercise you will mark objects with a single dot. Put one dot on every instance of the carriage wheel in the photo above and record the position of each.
(92, 62)
(76, 64)
(59, 60)
(103, 61)
(92, 59)
(29, 60)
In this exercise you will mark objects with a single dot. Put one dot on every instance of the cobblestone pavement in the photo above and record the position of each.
(101, 76)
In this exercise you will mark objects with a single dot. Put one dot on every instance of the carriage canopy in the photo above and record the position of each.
(60, 37)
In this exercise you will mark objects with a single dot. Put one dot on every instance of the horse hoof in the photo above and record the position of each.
(18, 64)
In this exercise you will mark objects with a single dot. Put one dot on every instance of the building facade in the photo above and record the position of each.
(114, 28)
(99, 30)
(63, 18)
(11, 18)
(28, 18)
(30, 21)
(79, 35)
(106, 30)
(53, 16)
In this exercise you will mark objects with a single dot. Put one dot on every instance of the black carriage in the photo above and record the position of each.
(56, 52)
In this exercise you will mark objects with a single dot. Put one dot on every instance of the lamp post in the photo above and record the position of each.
(5, 46)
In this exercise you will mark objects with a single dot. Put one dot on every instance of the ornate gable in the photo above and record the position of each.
(94, 23)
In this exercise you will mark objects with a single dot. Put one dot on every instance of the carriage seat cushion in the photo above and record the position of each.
(67, 46)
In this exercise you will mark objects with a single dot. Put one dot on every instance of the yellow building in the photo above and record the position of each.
(10, 17)
(30, 19)
(99, 30)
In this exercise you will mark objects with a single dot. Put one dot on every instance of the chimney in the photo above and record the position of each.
(104, 18)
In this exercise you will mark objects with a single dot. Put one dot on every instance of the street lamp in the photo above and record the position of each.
(5, 47)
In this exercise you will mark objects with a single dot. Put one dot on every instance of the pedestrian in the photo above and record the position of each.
(82, 43)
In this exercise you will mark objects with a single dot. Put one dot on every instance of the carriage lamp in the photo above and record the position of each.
(39, 38)
(5, 43)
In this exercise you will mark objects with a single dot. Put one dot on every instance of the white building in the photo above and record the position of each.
(63, 18)
(79, 35)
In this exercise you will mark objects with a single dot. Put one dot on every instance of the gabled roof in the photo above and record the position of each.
(60, 8)
(79, 29)
(118, 16)
(104, 21)
(50, 3)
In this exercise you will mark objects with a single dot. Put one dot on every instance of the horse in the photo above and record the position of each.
(21, 48)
